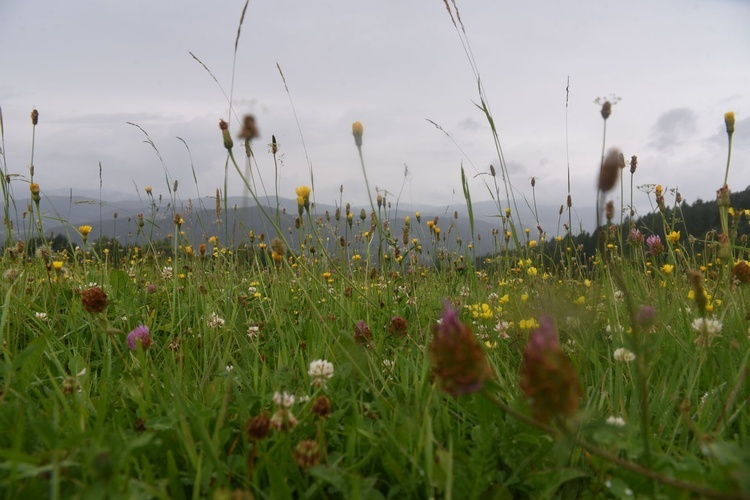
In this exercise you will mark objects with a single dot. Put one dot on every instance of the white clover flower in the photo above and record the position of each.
(42, 316)
(622, 354)
(253, 331)
(619, 294)
(320, 370)
(707, 329)
(283, 399)
(572, 322)
(215, 321)
(166, 272)
(616, 421)
(229, 368)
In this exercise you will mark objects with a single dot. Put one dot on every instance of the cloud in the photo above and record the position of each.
(672, 128)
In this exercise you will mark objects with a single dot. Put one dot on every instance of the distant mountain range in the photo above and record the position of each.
(117, 218)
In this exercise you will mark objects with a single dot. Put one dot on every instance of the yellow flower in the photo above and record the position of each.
(667, 268)
(532, 271)
(303, 191)
(729, 122)
(505, 299)
(57, 265)
(148, 189)
(507, 212)
(524, 297)
(84, 230)
(532, 243)
(357, 131)
(580, 300)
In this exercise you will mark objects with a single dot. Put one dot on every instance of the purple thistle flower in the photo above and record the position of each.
(140, 334)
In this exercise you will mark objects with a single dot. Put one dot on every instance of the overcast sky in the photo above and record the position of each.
(91, 66)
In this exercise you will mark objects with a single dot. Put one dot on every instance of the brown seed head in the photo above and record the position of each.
(610, 210)
(249, 129)
(258, 427)
(609, 170)
(322, 407)
(606, 109)
(741, 272)
(398, 326)
(94, 300)
(633, 163)
(307, 453)
(34, 116)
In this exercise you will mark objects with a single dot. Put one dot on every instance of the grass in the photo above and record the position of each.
(639, 381)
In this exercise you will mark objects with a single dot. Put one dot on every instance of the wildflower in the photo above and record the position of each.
(606, 109)
(622, 354)
(252, 331)
(548, 377)
(320, 370)
(357, 131)
(667, 268)
(321, 407)
(303, 198)
(729, 122)
(141, 335)
(673, 237)
(307, 453)
(34, 189)
(41, 316)
(283, 419)
(258, 427)
(57, 265)
(654, 244)
(166, 272)
(226, 136)
(616, 421)
(646, 316)
(397, 326)
(741, 272)
(457, 358)
(94, 300)
(708, 330)
(528, 324)
(362, 333)
(151, 288)
(215, 321)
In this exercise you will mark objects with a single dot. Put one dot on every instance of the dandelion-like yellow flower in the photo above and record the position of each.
(673, 237)
(357, 131)
(148, 190)
(57, 265)
(667, 268)
(729, 122)
(84, 230)
(303, 198)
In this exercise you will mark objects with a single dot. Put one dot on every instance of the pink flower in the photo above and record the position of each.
(140, 334)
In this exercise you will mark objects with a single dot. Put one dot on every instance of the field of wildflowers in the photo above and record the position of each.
(353, 363)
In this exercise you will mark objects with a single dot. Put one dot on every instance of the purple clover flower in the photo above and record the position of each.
(140, 334)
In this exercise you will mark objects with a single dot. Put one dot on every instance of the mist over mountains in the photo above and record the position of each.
(115, 216)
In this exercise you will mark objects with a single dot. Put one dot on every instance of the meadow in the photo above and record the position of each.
(365, 358)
